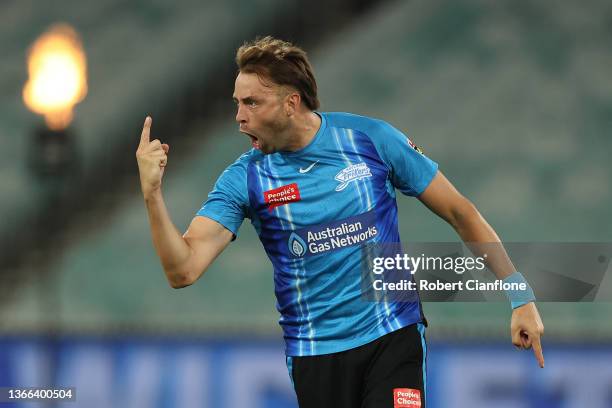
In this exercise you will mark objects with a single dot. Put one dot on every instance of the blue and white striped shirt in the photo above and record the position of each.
(313, 209)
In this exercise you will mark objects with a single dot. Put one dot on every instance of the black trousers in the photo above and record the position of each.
(388, 372)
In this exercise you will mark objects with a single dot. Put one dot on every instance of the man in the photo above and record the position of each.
(316, 186)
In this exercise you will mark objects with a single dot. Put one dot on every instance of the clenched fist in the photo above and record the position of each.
(152, 157)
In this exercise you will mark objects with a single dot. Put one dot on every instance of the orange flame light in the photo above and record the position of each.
(57, 81)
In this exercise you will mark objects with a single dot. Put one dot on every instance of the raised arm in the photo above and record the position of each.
(183, 257)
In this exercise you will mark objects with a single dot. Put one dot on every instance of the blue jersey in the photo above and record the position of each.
(313, 210)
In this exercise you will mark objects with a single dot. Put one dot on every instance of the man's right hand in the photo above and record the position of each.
(152, 157)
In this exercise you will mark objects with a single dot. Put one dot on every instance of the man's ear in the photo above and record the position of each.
(292, 103)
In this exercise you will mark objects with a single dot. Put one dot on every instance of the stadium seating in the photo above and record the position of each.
(517, 117)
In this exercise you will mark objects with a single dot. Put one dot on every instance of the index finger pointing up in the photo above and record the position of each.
(146, 130)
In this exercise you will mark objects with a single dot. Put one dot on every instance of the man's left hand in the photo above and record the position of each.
(527, 329)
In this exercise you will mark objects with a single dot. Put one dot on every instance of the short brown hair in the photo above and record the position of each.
(283, 63)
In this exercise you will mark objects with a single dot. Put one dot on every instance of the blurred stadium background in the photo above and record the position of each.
(512, 98)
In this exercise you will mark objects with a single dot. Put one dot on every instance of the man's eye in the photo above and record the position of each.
(252, 104)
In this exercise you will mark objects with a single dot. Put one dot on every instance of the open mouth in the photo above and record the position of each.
(254, 140)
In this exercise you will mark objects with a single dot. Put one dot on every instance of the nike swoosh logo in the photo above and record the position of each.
(307, 169)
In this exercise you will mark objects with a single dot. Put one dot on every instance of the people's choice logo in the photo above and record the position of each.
(353, 172)
(406, 398)
(282, 195)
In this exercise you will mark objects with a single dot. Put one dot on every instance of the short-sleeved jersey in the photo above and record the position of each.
(314, 209)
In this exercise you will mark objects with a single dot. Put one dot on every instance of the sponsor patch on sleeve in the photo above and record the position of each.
(415, 147)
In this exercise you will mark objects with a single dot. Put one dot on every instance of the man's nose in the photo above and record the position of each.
(240, 116)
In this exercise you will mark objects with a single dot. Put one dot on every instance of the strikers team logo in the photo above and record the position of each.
(353, 172)
(282, 195)
(406, 398)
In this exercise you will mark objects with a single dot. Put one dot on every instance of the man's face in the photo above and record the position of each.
(261, 113)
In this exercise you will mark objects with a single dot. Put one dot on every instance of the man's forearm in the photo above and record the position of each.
(171, 248)
(480, 237)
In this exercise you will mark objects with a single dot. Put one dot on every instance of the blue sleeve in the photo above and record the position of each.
(228, 202)
(410, 170)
